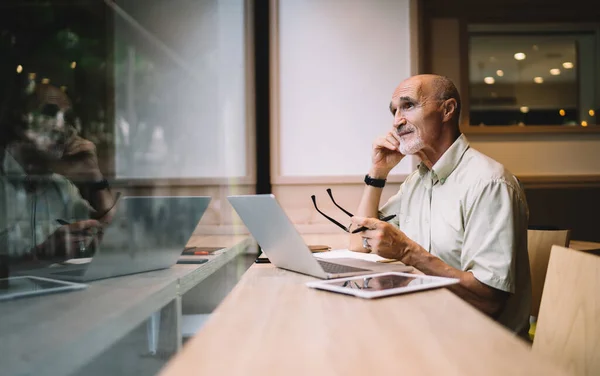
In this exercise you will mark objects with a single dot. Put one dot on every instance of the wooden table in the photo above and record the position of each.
(585, 246)
(57, 334)
(272, 324)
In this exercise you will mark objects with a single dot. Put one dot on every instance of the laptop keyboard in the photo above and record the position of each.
(332, 268)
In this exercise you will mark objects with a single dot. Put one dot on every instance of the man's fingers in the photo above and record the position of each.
(370, 223)
(84, 225)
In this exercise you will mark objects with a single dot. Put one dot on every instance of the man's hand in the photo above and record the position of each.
(70, 240)
(79, 162)
(385, 155)
(383, 238)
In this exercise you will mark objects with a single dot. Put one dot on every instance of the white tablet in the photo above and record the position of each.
(382, 284)
(17, 287)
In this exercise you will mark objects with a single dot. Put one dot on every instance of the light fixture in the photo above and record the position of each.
(63, 88)
(567, 65)
(32, 76)
(520, 56)
(561, 112)
(489, 80)
(19, 68)
(524, 109)
(45, 81)
(555, 71)
(538, 80)
(591, 112)
(73, 64)
(500, 73)
(584, 123)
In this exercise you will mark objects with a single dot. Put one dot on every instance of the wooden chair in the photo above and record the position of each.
(568, 330)
(539, 242)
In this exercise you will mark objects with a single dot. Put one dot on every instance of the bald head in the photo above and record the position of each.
(433, 86)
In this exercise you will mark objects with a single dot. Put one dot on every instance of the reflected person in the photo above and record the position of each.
(460, 214)
(43, 215)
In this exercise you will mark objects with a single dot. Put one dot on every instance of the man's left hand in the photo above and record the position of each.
(79, 162)
(383, 238)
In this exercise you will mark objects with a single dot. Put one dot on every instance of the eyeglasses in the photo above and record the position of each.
(362, 228)
(314, 200)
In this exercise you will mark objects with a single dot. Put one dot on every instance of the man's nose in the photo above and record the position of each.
(399, 121)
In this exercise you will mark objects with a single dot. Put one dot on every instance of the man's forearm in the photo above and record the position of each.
(368, 207)
(481, 296)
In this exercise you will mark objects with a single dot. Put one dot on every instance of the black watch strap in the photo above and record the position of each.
(98, 185)
(379, 183)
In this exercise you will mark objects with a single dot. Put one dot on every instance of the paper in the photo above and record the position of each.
(345, 253)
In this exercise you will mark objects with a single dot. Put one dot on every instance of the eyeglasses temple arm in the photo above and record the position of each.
(335, 203)
(314, 200)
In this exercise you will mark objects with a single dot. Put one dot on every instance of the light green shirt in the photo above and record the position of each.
(28, 216)
(469, 211)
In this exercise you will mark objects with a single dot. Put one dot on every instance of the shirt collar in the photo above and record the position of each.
(449, 160)
(12, 168)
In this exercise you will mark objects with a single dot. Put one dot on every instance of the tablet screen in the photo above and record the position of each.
(382, 284)
(379, 283)
(15, 287)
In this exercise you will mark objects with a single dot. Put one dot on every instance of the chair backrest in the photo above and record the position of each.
(568, 327)
(539, 243)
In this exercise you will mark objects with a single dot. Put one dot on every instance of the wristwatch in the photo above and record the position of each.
(97, 185)
(379, 183)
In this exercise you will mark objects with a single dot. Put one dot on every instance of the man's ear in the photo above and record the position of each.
(449, 109)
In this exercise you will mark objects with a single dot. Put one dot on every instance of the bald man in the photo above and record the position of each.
(40, 155)
(460, 214)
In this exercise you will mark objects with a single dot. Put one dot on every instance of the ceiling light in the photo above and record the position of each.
(524, 109)
(520, 56)
(591, 112)
(45, 81)
(489, 80)
(567, 65)
(73, 64)
(538, 80)
(555, 71)
(32, 76)
(19, 68)
(561, 112)
(500, 73)
(584, 123)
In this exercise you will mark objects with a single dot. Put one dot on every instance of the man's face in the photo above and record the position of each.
(417, 115)
(46, 132)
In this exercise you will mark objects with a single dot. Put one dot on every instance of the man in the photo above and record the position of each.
(459, 215)
(42, 213)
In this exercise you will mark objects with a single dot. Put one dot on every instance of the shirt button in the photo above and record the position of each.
(442, 180)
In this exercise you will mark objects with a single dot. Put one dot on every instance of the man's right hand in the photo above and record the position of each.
(67, 241)
(385, 155)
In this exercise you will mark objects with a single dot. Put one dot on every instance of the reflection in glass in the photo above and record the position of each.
(532, 79)
(379, 283)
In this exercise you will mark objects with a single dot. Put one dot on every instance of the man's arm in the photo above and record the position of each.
(483, 297)
(495, 221)
(385, 157)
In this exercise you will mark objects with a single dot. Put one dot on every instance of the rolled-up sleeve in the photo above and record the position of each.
(494, 220)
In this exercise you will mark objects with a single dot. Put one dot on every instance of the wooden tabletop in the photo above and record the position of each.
(56, 334)
(272, 324)
(586, 246)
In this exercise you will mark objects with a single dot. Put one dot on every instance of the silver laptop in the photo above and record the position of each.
(285, 248)
(146, 233)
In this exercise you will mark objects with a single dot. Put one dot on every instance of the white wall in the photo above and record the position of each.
(339, 62)
(180, 90)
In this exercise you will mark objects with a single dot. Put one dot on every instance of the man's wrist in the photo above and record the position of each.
(378, 174)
